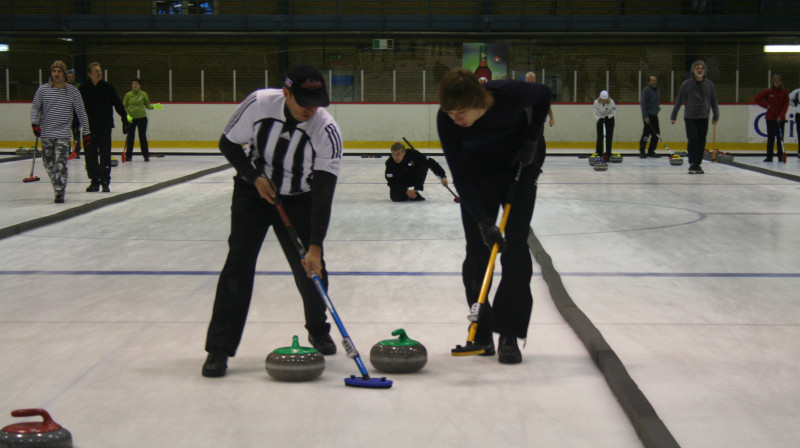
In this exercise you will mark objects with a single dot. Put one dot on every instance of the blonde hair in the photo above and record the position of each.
(57, 64)
(397, 146)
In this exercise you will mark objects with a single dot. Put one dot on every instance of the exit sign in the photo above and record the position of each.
(382, 44)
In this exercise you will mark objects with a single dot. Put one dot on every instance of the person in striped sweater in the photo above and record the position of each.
(51, 118)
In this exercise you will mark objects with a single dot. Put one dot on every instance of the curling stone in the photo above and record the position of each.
(615, 158)
(114, 161)
(594, 158)
(295, 363)
(675, 160)
(44, 434)
(600, 166)
(724, 157)
(401, 355)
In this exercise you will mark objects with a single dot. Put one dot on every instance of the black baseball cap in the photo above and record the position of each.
(308, 86)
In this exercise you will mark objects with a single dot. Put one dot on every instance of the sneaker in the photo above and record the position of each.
(105, 188)
(59, 198)
(768, 159)
(94, 186)
(695, 169)
(323, 343)
(508, 352)
(642, 155)
(216, 364)
(653, 154)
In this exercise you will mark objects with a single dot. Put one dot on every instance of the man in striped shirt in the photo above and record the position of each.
(281, 142)
(51, 118)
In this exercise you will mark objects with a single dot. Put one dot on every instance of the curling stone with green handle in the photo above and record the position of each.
(401, 355)
(295, 363)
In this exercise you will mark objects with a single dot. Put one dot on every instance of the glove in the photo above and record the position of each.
(37, 131)
(87, 141)
(491, 234)
(157, 106)
(124, 127)
(526, 154)
(130, 119)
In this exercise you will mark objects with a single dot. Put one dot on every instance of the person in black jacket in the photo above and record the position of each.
(99, 98)
(406, 171)
(488, 134)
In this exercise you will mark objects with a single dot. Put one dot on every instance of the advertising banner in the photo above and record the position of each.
(488, 61)
(757, 126)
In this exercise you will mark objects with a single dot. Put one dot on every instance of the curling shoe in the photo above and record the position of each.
(486, 343)
(216, 364)
(508, 352)
(695, 169)
(59, 198)
(105, 188)
(93, 187)
(323, 343)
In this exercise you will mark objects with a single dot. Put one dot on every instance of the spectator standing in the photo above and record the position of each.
(700, 97)
(650, 102)
(776, 101)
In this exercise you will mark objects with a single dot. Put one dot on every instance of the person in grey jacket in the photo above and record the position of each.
(700, 96)
(650, 99)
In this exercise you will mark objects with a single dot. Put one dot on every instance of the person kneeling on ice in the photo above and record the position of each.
(406, 171)
(488, 135)
(281, 142)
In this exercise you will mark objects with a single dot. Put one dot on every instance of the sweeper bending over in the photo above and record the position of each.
(281, 142)
(52, 109)
(406, 171)
(488, 134)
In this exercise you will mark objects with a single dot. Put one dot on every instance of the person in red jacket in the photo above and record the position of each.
(776, 100)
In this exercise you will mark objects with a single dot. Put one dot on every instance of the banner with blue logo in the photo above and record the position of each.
(757, 125)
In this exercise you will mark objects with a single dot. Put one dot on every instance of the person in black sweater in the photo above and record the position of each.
(488, 133)
(406, 171)
(100, 99)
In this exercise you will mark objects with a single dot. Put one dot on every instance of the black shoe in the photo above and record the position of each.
(768, 159)
(508, 352)
(59, 198)
(323, 343)
(94, 186)
(642, 155)
(486, 343)
(105, 188)
(418, 198)
(653, 155)
(695, 169)
(216, 364)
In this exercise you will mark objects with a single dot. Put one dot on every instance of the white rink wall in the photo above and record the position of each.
(373, 125)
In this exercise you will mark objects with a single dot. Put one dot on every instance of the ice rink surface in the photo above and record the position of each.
(693, 281)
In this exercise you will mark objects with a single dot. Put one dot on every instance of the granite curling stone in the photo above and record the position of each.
(401, 355)
(44, 434)
(594, 158)
(295, 363)
(676, 160)
(600, 166)
(615, 158)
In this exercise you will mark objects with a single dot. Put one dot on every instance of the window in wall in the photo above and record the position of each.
(183, 7)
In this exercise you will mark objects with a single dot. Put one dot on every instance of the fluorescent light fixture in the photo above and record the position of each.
(781, 48)
(4, 47)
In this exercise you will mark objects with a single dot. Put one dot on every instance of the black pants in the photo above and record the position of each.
(251, 217)
(773, 134)
(650, 133)
(609, 124)
(98, 156)
(397, 191)
(141, 125)
(696, 132)
(510, 311)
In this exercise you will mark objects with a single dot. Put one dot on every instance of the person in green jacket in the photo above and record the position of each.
(136, 103)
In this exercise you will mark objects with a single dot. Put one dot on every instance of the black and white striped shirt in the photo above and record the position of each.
(52, 109)
(285, 151)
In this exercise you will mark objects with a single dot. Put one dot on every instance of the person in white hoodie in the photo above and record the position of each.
(794, 101)
(604, 112)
